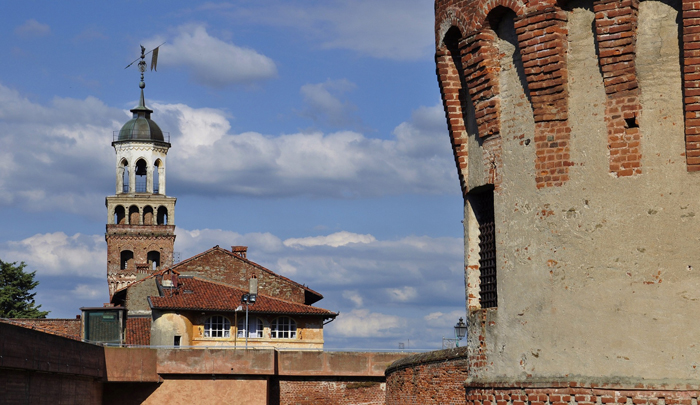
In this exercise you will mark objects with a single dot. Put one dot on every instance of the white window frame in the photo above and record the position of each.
(217, 326)
(255, 327)
(283, 327)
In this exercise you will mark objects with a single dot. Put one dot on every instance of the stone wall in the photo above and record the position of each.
(430, 378)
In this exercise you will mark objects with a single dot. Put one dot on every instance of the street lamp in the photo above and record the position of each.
(460, 330)
(248, 299)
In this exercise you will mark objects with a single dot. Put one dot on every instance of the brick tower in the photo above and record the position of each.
(575, 126)
(140, 216)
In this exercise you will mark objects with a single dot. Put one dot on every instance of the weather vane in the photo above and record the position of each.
(142, 62)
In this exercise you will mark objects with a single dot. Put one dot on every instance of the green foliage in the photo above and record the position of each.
(16, 298)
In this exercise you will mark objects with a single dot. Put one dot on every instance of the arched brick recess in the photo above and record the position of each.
(542, 36)
(616, 35)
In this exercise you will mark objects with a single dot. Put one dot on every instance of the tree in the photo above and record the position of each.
(16, 298)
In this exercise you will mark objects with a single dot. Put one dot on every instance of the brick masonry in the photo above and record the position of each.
(329, 391)
(542, 36)
(227, 267)
(429, 378)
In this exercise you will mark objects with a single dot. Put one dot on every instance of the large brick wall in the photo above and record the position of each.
(329, 391)
(429, 378)
(470, 69)
(578, 393)
(224, 266)
(42, 368)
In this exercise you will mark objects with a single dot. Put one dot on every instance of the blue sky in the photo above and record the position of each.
(310, 131)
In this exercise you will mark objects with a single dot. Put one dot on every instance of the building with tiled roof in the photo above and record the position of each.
(192, 311)
(170, 308)
(156, 300)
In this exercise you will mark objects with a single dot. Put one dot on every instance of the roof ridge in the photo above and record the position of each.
(219, 248)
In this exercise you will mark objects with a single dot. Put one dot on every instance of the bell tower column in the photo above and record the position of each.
(138, 243)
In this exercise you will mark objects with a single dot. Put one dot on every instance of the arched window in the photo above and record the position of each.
(134, 215)
(124, 172)
(141, 176)
(156, 175)
(126, 259)
(255, 327)
(148, 215)
(162, 215)
(217, 326)
(153, 260)
(119, 215)
(283, 327)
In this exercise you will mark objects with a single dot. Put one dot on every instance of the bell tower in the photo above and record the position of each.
(140, 216)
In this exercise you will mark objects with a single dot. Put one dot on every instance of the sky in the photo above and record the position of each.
(310, 131)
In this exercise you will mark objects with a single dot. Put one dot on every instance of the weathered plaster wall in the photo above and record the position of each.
(598, 274)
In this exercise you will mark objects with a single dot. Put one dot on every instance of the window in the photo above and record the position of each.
(284, 328)
(481, 201)
(125, 260)
(217, 326)
(255, 327)
(176, 341)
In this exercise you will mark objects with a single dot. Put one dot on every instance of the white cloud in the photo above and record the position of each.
(85, 291)
(353, 296)
(361, 323)
(343, 164)
(334, 240)
(323, 104)
(211, 61)
(402, 294)
(386, 29)
(444, 320)
(56, 253)
(32, 29)
(56, 156)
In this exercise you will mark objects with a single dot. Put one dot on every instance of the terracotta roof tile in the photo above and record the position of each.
(68, 328)
(138, 331)
(201, 295)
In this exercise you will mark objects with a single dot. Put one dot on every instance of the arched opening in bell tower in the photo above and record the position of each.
(141, 173)
(119, 215)
(162, 216)
(148, 215)
(134, 215)
(153, 260)
(124, 175)
(126, 259)
(157, 167)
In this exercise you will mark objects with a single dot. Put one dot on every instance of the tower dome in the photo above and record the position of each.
(141, 127)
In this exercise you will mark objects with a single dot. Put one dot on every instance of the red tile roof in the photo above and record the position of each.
(138, 331)
(201, 295)
(68, 328)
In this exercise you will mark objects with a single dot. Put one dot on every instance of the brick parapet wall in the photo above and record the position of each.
(453, 102)
(616, 35)
(429, 378)
(691, 82)
(559, 392)
(542, 37)
(330, 391)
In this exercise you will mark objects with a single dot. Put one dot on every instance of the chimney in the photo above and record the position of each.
(240, 251)
(253, 286)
